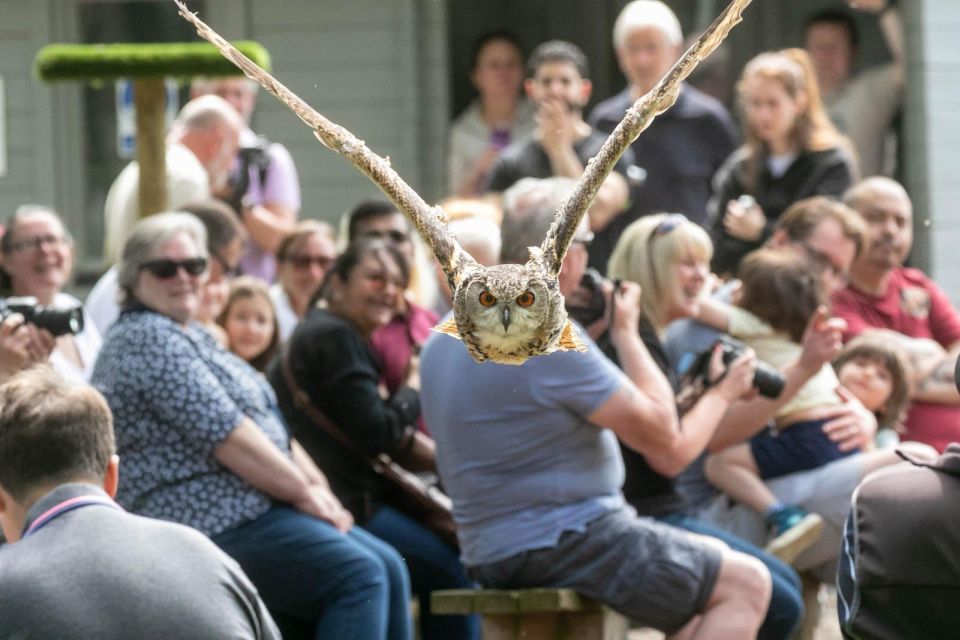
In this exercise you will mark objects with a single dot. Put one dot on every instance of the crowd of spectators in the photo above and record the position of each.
(653, 472)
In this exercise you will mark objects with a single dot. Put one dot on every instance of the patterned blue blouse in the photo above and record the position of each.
(176, 394)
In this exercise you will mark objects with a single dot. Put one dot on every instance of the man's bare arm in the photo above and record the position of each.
(931, 366)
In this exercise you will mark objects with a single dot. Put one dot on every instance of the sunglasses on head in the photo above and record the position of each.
(166, 268)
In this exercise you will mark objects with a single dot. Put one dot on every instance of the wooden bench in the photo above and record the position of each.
(533, 614)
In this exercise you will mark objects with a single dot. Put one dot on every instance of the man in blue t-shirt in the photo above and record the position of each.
(530, 458)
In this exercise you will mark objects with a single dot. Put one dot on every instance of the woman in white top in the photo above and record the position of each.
(303, 258)
(36, 254)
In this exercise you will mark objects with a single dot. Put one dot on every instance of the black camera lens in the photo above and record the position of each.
(59, 322)
(767, 380)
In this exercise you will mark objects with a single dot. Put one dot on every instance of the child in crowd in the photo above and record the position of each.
(877, 374)
(780, 293)
(250, 322)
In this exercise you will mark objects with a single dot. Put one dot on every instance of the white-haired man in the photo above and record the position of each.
(678, 154)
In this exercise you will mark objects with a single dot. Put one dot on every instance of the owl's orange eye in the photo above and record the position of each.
(525, 299)
(487, 299)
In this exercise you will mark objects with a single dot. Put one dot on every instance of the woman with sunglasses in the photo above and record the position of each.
(36, 256)
(204, 445)
(303, 258)
(791, 151)
(669, 257)
(332, 361)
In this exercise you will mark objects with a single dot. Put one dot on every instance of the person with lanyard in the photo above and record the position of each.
(79, 565)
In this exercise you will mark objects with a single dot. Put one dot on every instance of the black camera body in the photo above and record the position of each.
(255, 155)
(59, 322)
(767, 381)
(591, 304)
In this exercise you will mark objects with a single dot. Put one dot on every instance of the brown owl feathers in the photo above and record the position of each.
(506, 313)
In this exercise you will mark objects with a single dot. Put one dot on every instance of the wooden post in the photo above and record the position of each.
(150, 99)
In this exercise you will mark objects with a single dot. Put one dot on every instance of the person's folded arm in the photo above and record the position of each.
(254, 458)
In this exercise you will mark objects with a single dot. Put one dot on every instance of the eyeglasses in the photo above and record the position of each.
(304, 262)
(229, 271)
(394, 235)
(822, 264)
(36, 243)
(166, 268)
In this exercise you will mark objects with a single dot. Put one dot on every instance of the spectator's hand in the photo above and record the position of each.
(321, 503)
(744, 223)
(486, 160)
(22, 345)
(625, 309)
(555, 126)
(737, 380)
(822, 340)
(851, 425)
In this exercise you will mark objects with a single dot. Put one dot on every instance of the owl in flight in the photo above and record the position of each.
(505, 313)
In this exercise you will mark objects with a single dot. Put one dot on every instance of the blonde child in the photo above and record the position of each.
(250, 322)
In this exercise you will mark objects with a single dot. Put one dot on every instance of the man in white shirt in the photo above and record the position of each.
(201, 147)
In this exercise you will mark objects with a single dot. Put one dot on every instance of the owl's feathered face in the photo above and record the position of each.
(509, 312)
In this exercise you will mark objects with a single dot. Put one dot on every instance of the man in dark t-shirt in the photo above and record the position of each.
(563, 143)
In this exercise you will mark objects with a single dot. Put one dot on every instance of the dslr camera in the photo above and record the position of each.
(59, 322)
(256, 156)
(767, 380)
(587, 304)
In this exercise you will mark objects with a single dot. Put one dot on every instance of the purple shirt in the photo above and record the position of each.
(282, 186)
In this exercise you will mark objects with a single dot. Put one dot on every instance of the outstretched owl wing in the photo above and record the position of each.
(637, 118)
(429, 221)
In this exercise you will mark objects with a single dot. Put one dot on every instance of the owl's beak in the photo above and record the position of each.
(505, 318)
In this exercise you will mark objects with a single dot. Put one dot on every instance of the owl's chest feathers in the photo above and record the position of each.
(511, 348)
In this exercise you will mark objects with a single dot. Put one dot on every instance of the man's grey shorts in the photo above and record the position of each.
(652, 573)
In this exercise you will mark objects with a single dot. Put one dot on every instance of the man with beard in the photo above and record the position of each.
(563, 143)
(904, 306)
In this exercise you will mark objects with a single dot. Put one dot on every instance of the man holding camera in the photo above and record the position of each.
(263, 187)
(80, 566)
(530, 458)
(200, 145)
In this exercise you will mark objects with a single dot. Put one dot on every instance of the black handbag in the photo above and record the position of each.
(407, 491)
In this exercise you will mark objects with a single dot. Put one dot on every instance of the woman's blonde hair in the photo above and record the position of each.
(648, 248)
(813, 130)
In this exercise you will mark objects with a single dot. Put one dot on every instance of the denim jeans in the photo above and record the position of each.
(786, 599)
(329, 584)
(433, 565)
